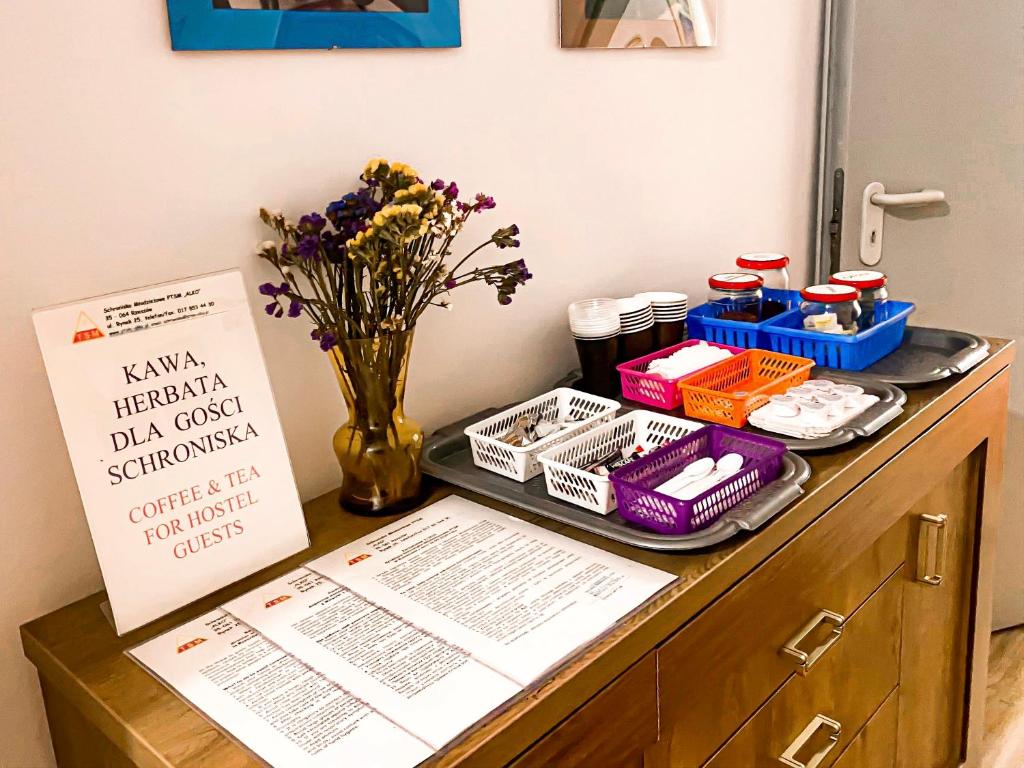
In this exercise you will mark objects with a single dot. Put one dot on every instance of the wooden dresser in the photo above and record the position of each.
(851, 631)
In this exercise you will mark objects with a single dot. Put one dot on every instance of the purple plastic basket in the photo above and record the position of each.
(640, 504)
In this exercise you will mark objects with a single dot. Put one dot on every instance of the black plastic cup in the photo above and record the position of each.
(637, 344)
(598, 358)
(670, 334)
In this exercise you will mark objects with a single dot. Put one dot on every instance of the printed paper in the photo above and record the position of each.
(285, 712)
(517, 597)
(175, 441)
(434, 689)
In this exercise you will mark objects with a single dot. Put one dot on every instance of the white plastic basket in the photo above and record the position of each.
(563, 466)
(520, 463)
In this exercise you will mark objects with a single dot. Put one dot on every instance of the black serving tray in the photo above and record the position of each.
(889, 406)
(447, 456)
(927, 355)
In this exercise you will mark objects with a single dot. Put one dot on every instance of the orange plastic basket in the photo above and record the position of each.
(729, 391)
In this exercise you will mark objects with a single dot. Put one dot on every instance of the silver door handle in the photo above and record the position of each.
(909, 199)
(872, 215)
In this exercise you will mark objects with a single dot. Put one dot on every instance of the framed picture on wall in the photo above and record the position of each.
(639, 23)
(205, 25)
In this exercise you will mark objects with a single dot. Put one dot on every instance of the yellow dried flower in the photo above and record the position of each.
(404, 170)
(412, 193)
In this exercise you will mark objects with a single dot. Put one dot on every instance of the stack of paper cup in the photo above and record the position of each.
(595, 327)
(635, 314)
(670, 315)
(637, 337)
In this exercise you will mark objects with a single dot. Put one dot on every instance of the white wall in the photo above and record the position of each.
(122, 163)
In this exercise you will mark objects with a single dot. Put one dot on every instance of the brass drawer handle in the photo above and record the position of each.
(818, 721)
(804, 659)
(931, 549)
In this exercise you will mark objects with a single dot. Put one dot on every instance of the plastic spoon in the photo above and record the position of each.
(692, 472)
(727, 466)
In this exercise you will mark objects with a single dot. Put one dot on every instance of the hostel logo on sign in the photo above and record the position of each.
(358, 559)
(277, 601)
(191, 644)
(86, 329)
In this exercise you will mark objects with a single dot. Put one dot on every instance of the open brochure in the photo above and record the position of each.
(433, 622)
(431, 687)
(517, 597)
(285, 712)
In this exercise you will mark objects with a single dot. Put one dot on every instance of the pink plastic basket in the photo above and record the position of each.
(649, 389)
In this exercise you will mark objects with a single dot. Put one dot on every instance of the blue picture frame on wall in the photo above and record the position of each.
(218, 25)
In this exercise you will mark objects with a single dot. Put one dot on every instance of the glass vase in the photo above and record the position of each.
(379, 447)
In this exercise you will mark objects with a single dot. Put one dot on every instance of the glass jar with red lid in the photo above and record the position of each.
(831, 308)
(773, 268)
(736, 296)
(874, 294)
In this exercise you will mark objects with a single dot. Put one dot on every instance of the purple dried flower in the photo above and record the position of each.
(485, 202)
(271, 290)
(312, 223)
(308, 247)
(327, 341)
(452, 192)
(271, 308)
(294, 308)
(438, 185)
(463, 207)
(326, 338)
(450, 283)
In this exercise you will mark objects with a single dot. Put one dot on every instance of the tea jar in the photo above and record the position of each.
(736, 296)
(831, 308)
(874, 295)
(773, 268)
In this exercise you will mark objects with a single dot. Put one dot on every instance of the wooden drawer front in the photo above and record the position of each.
(719, 669)
(836, 698)
(875, 745)
(612, 730)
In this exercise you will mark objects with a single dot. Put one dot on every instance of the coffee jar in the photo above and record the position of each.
(831, 308)
(736, 296)
(874, 293)
(772, 268)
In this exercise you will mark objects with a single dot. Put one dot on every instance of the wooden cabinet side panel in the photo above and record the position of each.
(936, 635)
(76, 742)
(610, 731)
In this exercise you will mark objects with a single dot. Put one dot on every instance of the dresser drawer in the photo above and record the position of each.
(875, 745)
(612, 730)
(816, 716)
(715, 672)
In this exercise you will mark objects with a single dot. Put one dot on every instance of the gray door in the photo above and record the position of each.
(929, 94)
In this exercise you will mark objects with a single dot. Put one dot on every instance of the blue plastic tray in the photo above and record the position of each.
(785, 333)
(702, 323)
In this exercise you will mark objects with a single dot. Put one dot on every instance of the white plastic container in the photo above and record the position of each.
(520, 463)
(564, 465)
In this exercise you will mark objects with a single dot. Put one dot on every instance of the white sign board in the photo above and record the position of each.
(175, 441)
